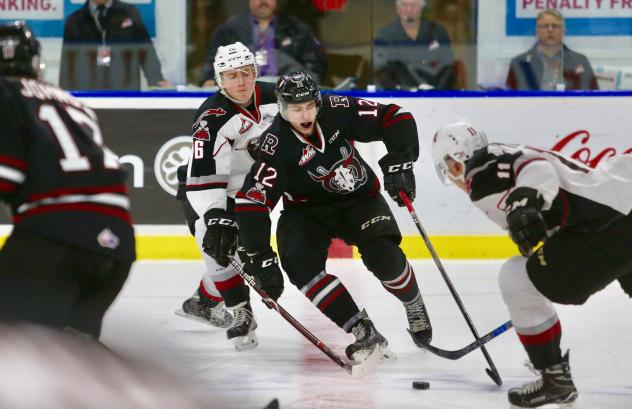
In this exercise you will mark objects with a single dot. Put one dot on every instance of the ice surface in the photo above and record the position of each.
(142, 323)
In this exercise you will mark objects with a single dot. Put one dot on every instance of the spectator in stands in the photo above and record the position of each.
(550, 64)
(105, 45)
(281, 43)
(413, 52)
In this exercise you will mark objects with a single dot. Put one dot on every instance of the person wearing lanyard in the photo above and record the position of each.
(281, 43)
(105, 46)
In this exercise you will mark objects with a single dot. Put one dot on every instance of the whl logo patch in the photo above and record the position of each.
(308, 154)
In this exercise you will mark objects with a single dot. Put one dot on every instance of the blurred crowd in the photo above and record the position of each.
(405, 45)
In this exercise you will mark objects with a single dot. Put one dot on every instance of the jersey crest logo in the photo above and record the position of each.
(345, 176)
(257, 194)
(245, 125)
(308, 154)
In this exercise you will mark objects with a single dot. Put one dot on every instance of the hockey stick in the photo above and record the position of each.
(459, 353)
(358, 370)
(491, 371)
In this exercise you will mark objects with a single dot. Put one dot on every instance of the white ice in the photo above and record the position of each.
(142, 323)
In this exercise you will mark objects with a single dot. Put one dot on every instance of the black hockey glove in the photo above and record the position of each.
(398, 174)
(264, 267)
(220, 239)
(524, 218)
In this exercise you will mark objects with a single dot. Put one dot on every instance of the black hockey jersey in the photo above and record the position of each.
(225, 143)
(322, 169)
(56, 175)
(575, 196)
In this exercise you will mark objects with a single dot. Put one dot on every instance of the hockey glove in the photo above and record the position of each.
(220, 239)
(398, 174)
(524, 219)
(264, 267)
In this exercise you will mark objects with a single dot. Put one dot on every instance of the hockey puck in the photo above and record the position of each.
(420, 385)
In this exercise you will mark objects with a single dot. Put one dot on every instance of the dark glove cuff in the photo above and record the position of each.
(397, 161)
(524, 197)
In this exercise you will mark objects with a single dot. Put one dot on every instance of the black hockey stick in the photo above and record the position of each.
(355, 369)
(459, 353)
(491, 371)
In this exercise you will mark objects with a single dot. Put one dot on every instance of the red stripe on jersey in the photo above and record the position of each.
(116, 212)
(566, 208)
(219, 149)
(398, 118)
(391, 111)
(86, 190)
(241, 195)
(331, 298)
(543, 337)
(261, 209)
(7, 187)
(229, 284)
(209, 295)
(13, 162)
(312, 291)
(525, 163)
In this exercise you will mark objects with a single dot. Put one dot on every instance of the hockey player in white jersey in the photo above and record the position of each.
(582, 215)
(225, 141)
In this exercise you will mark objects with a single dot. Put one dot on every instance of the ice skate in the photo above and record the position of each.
(242, 332)
(419, 321)
(554, 387)
(202, 309)
(367, 338)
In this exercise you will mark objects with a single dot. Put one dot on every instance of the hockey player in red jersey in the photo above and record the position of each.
(581, 214)
(225, 138)
(307, 157)
(72, 243)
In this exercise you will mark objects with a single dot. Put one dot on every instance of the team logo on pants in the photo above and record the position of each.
(345, 176)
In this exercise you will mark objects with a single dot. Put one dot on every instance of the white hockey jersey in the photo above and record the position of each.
(575, 195)
(225, 145)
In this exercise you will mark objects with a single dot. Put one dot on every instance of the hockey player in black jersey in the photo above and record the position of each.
(72, 243)
(581, 214)
(308, 158)
(225, 134)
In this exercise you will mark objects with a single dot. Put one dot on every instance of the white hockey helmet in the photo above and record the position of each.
(457, 141)
(230, 57)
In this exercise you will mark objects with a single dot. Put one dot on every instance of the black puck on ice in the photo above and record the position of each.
(420, 385)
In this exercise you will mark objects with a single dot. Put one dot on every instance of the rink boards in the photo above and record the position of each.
(151, 137)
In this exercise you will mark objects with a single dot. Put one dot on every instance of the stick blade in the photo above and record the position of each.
(362, 369)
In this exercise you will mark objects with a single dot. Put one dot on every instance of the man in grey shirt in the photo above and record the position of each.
(550, 64)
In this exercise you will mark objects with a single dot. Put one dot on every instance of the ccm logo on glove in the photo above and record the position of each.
(400, 166)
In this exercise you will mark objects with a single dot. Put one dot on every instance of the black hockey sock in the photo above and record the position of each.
(327, 293)
(544, 348)
(388, 263)
(233, 290)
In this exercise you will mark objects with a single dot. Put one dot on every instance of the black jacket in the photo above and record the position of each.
(297, 48)
(400, 62)
(131, 49)
(525, 71)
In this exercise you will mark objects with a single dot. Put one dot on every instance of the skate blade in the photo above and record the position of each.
(246, 343)
(365, 367)
(211, 323)
(568, 403)
(386, 355)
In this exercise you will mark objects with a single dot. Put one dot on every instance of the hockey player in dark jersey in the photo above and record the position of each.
(225, 139)
(308, 158)
(72, 243)
(582, 215)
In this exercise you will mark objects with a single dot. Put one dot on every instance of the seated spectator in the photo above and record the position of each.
(105, 45)
(413, 52)
(281, 43)
(550, 64)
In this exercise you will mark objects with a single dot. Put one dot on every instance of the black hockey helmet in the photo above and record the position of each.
(19, 50)
(295, 88)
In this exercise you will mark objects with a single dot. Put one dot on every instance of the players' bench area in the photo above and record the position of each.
(150, 133)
